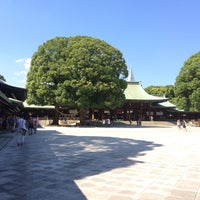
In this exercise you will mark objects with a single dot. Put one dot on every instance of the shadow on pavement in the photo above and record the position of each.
(48, 165)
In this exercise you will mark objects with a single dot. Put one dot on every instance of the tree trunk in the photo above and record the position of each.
(82, 116)
(56, 116)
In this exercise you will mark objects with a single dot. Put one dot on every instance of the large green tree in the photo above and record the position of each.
(79, 72)
(187, 85)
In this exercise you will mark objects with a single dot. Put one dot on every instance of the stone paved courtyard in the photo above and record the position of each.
(133, 163)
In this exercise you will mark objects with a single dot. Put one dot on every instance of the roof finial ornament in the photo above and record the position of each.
(130, 76)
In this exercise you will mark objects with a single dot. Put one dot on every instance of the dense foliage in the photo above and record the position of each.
(187, 85)
(167, 91)
(80, 72)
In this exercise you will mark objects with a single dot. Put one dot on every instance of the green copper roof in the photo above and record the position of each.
(135, 92)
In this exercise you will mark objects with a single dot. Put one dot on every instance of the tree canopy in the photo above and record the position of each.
(81, 72)
(187, 85)
(167, 91)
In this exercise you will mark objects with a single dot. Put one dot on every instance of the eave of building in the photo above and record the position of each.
(166, 104)
(12, 91)
(37, 106)
(16, 103)
(10, 104)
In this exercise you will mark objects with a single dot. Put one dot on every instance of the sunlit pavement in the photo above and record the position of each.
(146, 163)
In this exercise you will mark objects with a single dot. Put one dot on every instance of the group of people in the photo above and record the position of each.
(8, 122)
(25, 127)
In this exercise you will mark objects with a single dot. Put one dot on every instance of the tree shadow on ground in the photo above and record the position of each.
(51, 162)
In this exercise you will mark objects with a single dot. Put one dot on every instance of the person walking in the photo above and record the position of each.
(21, 131)
(184, 126)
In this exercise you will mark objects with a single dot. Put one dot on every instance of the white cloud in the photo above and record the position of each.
(27, 63)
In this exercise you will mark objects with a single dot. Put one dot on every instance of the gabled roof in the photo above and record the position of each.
(135, 92)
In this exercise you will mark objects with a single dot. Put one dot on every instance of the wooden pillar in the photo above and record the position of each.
(92, 114)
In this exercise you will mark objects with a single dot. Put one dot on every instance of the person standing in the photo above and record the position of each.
(178, 123)
(108, 122)
(30, 126)
(35, 124)
(21, 125)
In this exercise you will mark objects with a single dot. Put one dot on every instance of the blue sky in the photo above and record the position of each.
(155, 37)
